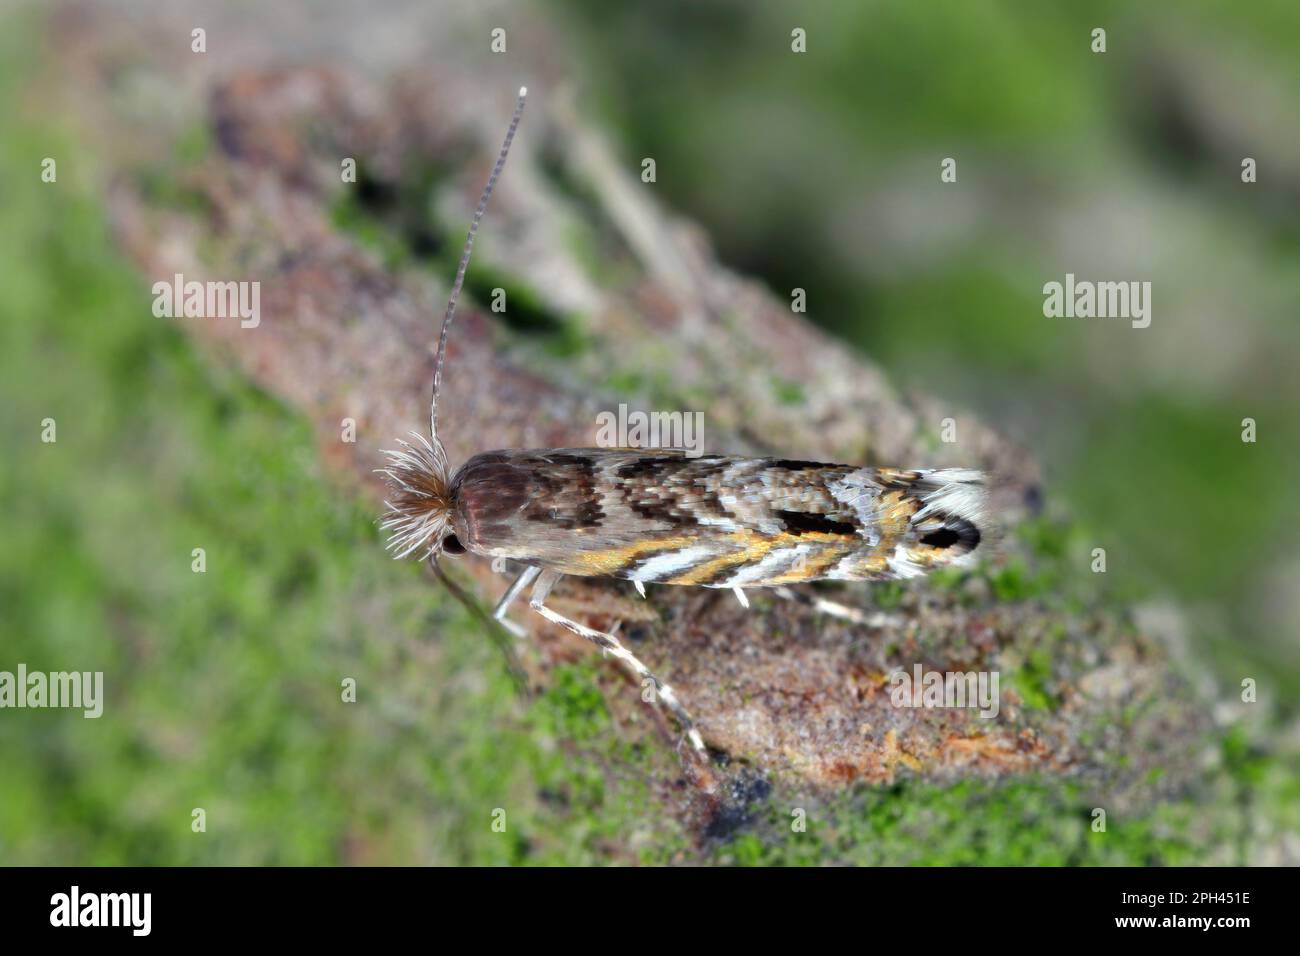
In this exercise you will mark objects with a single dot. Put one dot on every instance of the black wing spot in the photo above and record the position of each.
(648, 468)
(790, 464)
(943, 538)
(803, 522)
(956, 531)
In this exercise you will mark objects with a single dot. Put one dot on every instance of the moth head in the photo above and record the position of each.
(420, 502)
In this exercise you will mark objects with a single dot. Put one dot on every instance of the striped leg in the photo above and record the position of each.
(611, 645)
(525, 578)
(836, 609)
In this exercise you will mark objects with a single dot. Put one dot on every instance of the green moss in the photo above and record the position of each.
(888, 595)
(1031, 680)
(625, 382)
(161, 187)
(1248, 764)
(525, 310)
(1046, 538)
(347, 215)
(788, 392)
(193, 144)
(573, 707)
(1014, 582)
(947, 579)
(1026, 822)
(396, 218)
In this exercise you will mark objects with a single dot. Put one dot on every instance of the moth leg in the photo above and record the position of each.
(611, 645)
(469, 603)
(835, 608)
(525, 578)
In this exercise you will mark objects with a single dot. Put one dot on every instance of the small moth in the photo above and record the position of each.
(657, 516)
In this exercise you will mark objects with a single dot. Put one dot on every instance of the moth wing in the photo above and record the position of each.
(650, 515)
(658, 515)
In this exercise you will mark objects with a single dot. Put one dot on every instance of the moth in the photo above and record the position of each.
(658, 516)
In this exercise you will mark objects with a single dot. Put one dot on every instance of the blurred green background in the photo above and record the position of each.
(818, 170)
(821, 171)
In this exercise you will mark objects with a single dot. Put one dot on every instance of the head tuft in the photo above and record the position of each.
(419, 499)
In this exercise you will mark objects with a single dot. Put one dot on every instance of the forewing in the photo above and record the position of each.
(663, 517)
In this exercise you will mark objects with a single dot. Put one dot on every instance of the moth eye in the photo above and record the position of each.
(451, 545)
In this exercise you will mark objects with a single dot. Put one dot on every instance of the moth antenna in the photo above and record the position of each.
(464, 261)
